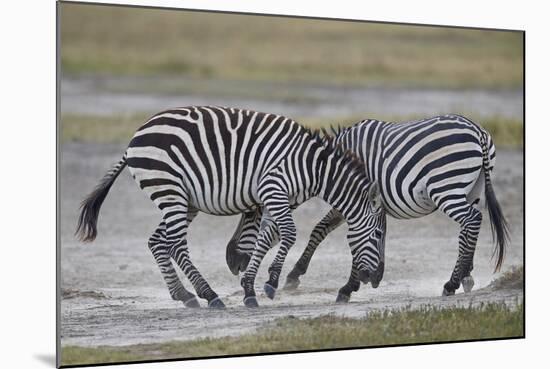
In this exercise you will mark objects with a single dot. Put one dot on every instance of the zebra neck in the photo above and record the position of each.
(365, 140)
(340, 185)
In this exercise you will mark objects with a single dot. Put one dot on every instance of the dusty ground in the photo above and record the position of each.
(114, 293)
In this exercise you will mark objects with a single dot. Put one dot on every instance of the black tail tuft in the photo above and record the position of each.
(499, 225)
(86, 229)
(232, 257)
(236, 261)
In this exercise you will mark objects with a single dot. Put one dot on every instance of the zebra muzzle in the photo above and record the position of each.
(364, 276)
(377, 276)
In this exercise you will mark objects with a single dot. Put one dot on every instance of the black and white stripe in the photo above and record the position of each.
(438, 163)
(226, 161)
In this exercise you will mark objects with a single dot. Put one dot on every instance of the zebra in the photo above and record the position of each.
(441, 163)
(226, 161)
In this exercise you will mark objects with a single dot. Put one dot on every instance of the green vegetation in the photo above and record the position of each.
(120, 128)
(100, 129)
(133, 41)
(427, 324)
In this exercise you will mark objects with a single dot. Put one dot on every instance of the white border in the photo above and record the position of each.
(28, 182)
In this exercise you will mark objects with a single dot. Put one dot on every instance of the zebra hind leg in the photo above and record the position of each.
(158, 247)
(177, 217)
(468, 281)
(330, 221)
(469, 219)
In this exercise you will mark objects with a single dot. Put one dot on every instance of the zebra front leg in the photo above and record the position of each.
(266, 239)
(177, 218)
(469, 219)
(332, 220)
(353, 285)
(159, 249)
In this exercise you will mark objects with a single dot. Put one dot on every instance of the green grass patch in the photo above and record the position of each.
(134, 41)
(427, 324)
(505, 132)
(100, 129)
(120, 128)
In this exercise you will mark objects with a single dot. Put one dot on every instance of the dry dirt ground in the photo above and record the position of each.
(113, 293)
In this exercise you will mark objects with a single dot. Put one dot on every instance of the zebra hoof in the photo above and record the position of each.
(192, 303)
(216, 303)
(342, 299)
(251, 302)
(446, 292)
(270, 291)
(468, 283)
(291, 283)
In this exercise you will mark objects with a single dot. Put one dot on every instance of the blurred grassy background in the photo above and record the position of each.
(258, 56)
(120, 128)
(134, 41)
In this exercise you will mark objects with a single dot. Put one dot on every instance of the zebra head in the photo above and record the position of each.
(346, 186)
(366, 236)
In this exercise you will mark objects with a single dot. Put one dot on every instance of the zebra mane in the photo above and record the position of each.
(315, 133)
(328, 140)
(336, 130)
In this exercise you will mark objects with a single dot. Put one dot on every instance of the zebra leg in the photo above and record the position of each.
(177, 217)
(159, 249)
(469, 219)
(332, 220)
(353, 285)
(240, 247)
(474, 199)
(277, 205)
(266, 239)
(468, 281)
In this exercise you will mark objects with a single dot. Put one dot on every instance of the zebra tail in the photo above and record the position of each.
(86, 229)
(499, 225)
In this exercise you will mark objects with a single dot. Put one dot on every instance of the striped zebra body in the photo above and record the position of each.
(419, 165)
(226, 161)
(438, 163)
